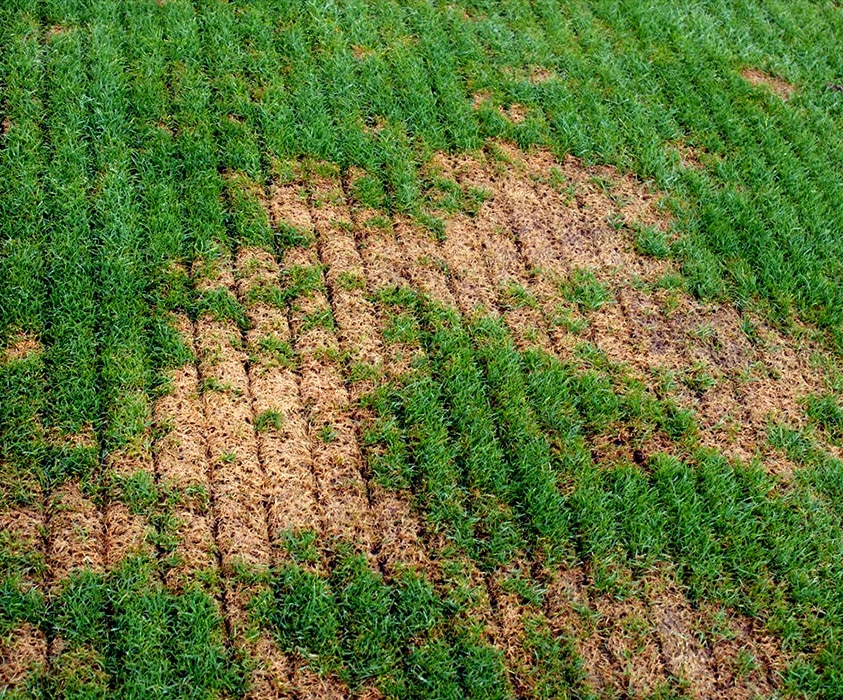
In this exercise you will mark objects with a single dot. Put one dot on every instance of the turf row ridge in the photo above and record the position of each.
(182, 462)
(336, 454)
(357, 328)
(238, 479)
(462, 251)
(360, 324)
(126, 532)
(76, 533)
(283, 442)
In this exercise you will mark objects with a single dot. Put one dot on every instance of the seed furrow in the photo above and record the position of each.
(182, 464)
(336, 455)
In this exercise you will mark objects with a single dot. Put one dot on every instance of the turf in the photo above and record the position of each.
(139, 149)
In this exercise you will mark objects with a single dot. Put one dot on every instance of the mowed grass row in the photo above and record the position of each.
(22, 258)
(110, 226)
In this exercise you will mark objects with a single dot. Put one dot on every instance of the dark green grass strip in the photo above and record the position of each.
(201, 186)
(158, 176)
(22, 251)
(120, 238)
(481, 460)
(398, 635)
(436, 476)
(126, 636)
(21, 172)
(535, 491)
(70, 328)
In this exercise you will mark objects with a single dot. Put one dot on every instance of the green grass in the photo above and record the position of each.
(728, 531)
(400, 635)
(136, 142)
(125, 634)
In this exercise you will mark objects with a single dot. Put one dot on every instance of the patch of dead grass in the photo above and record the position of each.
(23, 652)
(777, 85)
(20, 347)
(654, 638)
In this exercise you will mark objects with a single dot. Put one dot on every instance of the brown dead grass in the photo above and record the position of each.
(181, 462)
(20, 348)
(777, 85)
(534, 74)
(22, 652)
(77, 535)
(272, 676)
(57, 30)
(241, 495)
(285, 449)
(310, 686)
(544, 219)
(361, 52)
(693, 157)
(344, 269)
(127, 532)
(516, 113)
(336, 455)
(478, 99)
(754, 383)
(655, 637)
(238, 481)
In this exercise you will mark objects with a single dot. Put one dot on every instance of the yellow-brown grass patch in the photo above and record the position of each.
(777, 85)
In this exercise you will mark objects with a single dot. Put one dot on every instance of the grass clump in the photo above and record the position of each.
(399, 636)
(583, 289)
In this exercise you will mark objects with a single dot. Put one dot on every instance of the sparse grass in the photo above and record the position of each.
(583, 289)
(269, 420)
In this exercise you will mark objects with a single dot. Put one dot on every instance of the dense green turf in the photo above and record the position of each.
(132, 134)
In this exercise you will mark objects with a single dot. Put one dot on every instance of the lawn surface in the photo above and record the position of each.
(421, 350)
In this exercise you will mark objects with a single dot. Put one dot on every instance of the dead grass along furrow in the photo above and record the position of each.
(515, 288)
(655, 639)
(336, 455)
(283, 441)
(237, 477)
(182, 462)
(357, 330)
